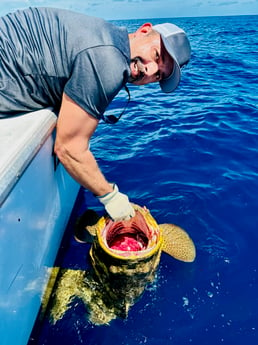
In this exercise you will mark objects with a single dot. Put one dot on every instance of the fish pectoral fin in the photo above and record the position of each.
(85, 227)
(177, 243)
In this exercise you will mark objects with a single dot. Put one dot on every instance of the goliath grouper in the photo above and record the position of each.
(124, 256)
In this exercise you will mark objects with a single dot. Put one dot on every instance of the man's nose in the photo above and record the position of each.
(151, 68)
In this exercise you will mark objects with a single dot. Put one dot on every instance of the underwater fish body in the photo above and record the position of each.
(123, 271)
(125, 256)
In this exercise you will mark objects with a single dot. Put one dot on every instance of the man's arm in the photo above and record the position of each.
(74, 130)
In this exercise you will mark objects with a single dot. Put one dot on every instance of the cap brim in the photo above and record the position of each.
(170, 83)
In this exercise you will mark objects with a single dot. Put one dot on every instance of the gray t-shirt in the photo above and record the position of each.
(45, 52)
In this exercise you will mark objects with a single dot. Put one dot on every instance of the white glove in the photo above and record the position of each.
(117, 205)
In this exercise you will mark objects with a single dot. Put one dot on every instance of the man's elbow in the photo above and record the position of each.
(61, 152)
(67, 153)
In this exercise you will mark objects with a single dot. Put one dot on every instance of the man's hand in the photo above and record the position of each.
(117, 205)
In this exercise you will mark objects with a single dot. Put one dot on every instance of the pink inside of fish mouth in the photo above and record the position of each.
(131, 236)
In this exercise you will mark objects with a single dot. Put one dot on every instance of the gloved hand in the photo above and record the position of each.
(117, 205)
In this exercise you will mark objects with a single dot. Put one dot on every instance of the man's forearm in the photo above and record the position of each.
(85, 170)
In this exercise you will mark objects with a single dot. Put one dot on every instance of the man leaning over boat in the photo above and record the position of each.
(76, 64)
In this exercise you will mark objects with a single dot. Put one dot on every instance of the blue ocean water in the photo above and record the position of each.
(192, 158)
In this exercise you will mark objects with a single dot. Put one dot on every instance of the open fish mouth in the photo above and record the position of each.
(134, 237)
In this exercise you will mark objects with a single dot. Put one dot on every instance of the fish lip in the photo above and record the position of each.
(138, 227)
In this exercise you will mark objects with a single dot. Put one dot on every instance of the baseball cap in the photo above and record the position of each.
(178, 47)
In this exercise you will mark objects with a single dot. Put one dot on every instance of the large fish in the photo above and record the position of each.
(124, 257)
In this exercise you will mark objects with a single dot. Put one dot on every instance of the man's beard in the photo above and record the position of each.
(137, 60)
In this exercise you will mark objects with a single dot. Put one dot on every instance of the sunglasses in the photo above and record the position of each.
(112, 119)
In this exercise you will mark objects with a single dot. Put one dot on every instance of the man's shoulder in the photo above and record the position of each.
(83, 31)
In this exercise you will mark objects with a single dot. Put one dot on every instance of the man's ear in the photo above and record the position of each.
(144, 29)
